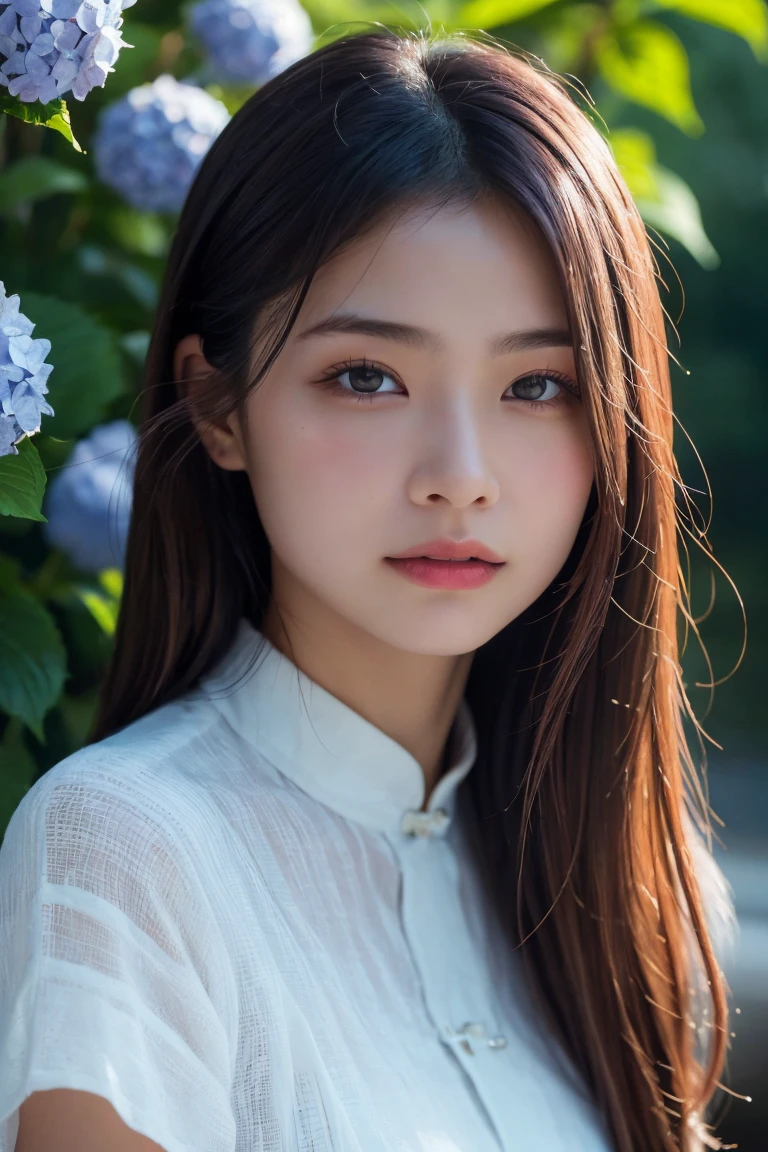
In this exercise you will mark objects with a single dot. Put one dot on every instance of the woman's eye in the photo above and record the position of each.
(539, 388)
(361, 380)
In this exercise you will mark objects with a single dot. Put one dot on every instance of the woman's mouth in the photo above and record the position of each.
(447, 574)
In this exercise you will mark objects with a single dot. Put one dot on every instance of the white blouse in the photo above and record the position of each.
(232, 921)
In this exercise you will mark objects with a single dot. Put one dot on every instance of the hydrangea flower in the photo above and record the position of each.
(250, 41)
(23, 376)
(149, 145)
(88, 503)
(51, 47)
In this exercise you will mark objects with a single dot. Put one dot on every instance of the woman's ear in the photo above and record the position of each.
(223, 442)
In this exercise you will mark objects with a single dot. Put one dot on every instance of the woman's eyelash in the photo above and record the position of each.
(568, 393)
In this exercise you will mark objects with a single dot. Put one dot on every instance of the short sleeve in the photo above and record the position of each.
(113, 978)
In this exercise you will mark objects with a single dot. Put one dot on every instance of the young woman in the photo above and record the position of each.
(387, 836)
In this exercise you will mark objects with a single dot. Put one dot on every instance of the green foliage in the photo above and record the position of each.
(664, 199)
(88, 372)
(103, 599)
(674, 210)
(747, 18)
(36, 178)
(493, 13)
(54, 115)
(647, 63)
(18, 770)
(33, 660)
(22, 483)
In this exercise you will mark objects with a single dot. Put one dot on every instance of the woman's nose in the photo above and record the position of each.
(453, 461)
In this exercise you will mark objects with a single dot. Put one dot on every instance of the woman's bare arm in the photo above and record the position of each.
(65, 1120)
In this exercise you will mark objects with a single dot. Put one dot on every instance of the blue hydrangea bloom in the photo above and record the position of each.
(23, 376)
(149, 145)
(88, 503)
(51, 47)
(250, 41)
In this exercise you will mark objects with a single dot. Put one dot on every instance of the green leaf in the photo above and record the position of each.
(567, 32)
(675, 211)
(35, 178)
(33, 660)
(87, 373)
(492, 13)
(103, 610)
(747, 18)
(144, 232)
(18, 770)
(635, 154)
(22, 483)
(54, 115)
(103, 603)
(663, 199)
(60, 123)
(648, 64)
(111, 580)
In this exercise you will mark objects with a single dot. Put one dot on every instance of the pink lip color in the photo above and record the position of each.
(445, 573)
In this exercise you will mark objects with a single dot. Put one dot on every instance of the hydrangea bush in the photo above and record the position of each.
(88, 503)
(250, 41)
(51, 47)
(23, 376)
(149, 145)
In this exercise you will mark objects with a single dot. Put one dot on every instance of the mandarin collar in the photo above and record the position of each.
(326, 748)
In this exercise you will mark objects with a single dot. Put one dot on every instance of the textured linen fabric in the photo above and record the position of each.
(234, 921)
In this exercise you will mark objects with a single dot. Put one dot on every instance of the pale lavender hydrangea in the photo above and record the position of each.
(149, 145)
(51, 47)
(88, 503)
(23, 376)
(250, 41)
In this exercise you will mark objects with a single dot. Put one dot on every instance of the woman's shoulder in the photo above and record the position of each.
(181, 742)
(147, 763)
(158, 776)
(168, 804)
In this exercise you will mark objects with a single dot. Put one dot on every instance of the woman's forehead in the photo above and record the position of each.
(485, 259)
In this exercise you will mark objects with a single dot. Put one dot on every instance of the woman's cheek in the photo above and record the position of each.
(565, 464)
(545, 490)
(317, 482)
(345, 460)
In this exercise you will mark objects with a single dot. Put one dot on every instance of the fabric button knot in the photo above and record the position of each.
(418, 823)
(477, 1032)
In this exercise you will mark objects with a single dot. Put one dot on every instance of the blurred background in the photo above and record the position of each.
(90, 185)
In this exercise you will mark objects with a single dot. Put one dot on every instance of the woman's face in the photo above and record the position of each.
(427, 391)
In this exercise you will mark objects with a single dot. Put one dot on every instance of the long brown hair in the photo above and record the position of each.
(584, 786)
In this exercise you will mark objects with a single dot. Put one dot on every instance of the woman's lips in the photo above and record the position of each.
(446, 548)
(455, 574)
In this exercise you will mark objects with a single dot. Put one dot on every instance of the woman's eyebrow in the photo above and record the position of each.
(520, 341)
